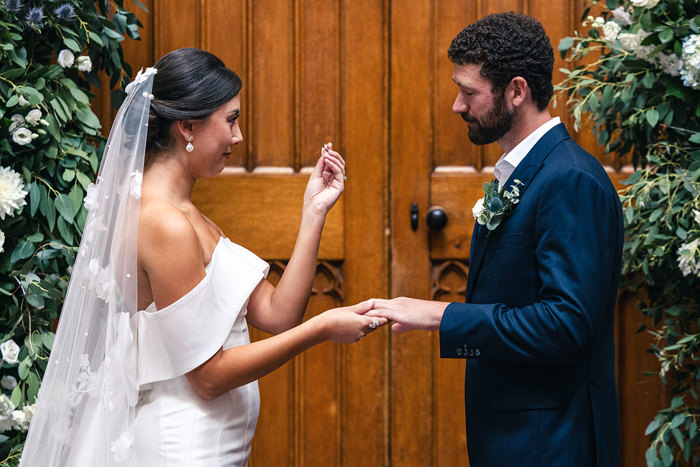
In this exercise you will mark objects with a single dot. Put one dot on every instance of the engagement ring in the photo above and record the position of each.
(374, 324)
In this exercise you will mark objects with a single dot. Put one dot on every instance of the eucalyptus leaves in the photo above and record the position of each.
(496, 204)
(50, 143)
(639, 87)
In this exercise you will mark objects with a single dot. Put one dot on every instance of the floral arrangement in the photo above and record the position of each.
(496, 203)
(636, 78)
(50, 144)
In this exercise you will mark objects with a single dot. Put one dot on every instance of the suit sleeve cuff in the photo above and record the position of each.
(452, 339)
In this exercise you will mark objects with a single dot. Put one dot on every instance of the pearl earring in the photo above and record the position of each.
(189, 147)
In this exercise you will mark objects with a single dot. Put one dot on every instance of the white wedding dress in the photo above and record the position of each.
(173, 425)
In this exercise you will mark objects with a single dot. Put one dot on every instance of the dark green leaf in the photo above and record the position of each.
(64, 205)
(24, 249)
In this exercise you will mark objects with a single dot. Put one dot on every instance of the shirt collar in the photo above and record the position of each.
(508, 162)
(518, 153)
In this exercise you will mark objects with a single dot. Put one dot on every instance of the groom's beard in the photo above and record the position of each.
(492, 125)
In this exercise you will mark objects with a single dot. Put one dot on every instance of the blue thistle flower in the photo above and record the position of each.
(64, 12)
(35, 16)
(495, 205)
(13, 5)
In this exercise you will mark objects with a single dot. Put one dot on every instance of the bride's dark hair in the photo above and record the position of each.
(190, 85)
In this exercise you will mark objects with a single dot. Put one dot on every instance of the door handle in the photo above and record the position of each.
(436, 218)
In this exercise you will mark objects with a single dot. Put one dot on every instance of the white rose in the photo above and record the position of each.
(22, 101)
(66, 58)
(33, 116)
(17, 120)
(10, 351)
(19, 420)
(22, 136)
(645, 3)
(610, 31)
(84, 64)
(622, 15)
(8, 382)
(478, 208)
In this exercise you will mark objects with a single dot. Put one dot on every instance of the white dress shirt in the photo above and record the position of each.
(508, 162)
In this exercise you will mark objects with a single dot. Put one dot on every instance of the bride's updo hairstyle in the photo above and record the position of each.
(190, 85)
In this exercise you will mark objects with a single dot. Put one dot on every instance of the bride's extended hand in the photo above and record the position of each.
(349, 324)
(326, 182)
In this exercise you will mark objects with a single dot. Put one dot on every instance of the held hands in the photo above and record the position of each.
(409, 313)
(349, 324)
(326, 183)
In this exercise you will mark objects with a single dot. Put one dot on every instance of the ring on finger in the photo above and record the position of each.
(374, 324)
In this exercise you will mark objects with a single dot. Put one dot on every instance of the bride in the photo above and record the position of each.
(152, 363)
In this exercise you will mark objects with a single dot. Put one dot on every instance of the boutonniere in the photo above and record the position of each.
(496, 203)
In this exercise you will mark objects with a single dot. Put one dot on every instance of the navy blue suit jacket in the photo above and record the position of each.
(537, 326)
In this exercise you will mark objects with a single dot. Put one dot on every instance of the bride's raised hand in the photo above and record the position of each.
(326, 183)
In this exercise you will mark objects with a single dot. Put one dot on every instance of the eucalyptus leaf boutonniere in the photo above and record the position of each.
(496, 203)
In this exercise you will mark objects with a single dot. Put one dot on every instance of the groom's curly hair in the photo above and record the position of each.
(508, 45)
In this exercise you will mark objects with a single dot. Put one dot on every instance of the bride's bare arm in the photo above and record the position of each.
(276, 309)
(237, 366)
(171, 255)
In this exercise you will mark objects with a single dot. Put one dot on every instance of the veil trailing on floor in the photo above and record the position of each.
(85, 406)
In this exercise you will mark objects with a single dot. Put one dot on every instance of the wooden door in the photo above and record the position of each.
(313, 71)
(372, 76)
(434, 164)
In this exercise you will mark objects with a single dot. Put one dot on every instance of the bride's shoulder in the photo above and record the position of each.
(162, 224)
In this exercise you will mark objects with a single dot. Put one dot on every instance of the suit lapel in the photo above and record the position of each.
(525, 172)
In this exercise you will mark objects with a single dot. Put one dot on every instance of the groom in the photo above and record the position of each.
(537, 326)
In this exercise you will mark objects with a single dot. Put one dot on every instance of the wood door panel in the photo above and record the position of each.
(456, 192)
(262, 212)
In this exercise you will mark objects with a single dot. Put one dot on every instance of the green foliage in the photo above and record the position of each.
(636, 80)
(50, 137)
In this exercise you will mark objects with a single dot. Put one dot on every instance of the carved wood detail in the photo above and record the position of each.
(449, 280)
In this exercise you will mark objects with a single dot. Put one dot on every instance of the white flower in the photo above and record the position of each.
(141, 76)
(671, 64)
(66, 58)
(478, 208)
(33, 116)
(19, 420)
(689, 258)
(102, 281)
(690, 61)
(2, 241)
(84, 63)
(10, 351)
(22, 136)
(11, 192)
(8, 382)
(610, 31)
(17, 120)
(121, 447)
(631, 42)
(696, 213)
(91, 200)
(135, 184)
(622, 16)
(645, 3)
(22, 101)
(6, 408)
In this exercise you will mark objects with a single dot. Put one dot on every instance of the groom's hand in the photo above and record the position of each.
(409, 313)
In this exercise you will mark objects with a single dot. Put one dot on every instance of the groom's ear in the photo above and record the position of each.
(518, 91)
